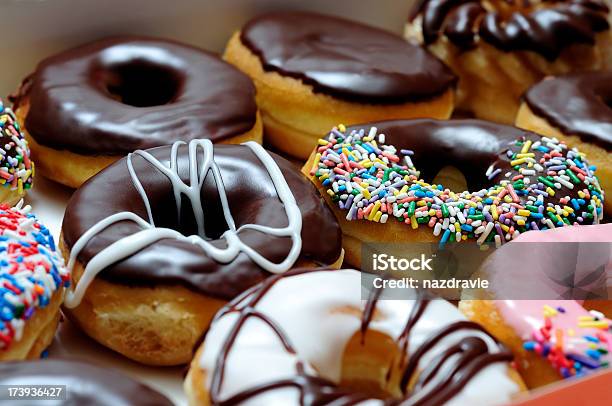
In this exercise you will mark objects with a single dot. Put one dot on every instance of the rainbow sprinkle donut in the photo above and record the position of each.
(522, 181)
(32, 282)
(16, 168)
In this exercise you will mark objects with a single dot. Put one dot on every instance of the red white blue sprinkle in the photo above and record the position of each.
(31, 270)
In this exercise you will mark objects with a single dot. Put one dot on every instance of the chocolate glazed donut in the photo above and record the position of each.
(172, 233)
(251, 195)
(85, 383)
(499, 48)
(113, 96)
(313, 71)
(345, 59)
(543, 30)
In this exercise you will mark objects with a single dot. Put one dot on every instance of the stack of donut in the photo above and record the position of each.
(186, 241)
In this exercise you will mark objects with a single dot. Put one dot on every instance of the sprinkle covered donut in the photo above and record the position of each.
(32, 283)
(189, 227)
(345, 349)
(87, 107)
(552, 339)
(16, 168)
(517, 182)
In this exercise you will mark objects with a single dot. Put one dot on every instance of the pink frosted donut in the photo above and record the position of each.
(551, 338)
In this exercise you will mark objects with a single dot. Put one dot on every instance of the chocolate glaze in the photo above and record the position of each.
(252, 199)
(116, 95)
(468, 145)
(577, 104)
(471, 355)
(345, 59)
(545, 30)
(86, 384)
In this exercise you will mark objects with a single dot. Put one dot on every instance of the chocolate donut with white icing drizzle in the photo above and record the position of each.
(214, 222)
(160, 240)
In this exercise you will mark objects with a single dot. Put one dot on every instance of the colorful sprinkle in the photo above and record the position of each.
(31, 270)
(364, 175)
(16, 169)
(569, 352)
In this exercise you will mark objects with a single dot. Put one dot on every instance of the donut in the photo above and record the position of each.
(16, 168)
(576, 108)
(313, 71)
(89, 106)
(32, 283)
(551, 338)
(84, 383)
(516, 181)
(566, 263)
(345, 349)
(499, 48)
(185, 230)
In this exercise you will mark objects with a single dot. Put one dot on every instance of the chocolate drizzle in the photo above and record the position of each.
(345, 59)
(577, 104)
(86, 384)
(433, 387)
(543, 27)
(116, 95)
(251, 196)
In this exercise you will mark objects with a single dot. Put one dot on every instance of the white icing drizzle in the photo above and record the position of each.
(150, 234)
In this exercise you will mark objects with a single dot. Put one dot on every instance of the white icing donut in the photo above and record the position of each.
(309, 310)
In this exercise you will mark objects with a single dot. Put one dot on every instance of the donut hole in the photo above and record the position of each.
(452, 178)
(182, 216)
(142, 85)
(185, 223)
(369, 365)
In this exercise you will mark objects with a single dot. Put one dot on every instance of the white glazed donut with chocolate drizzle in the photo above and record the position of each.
(345, 350)
(194, 227)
